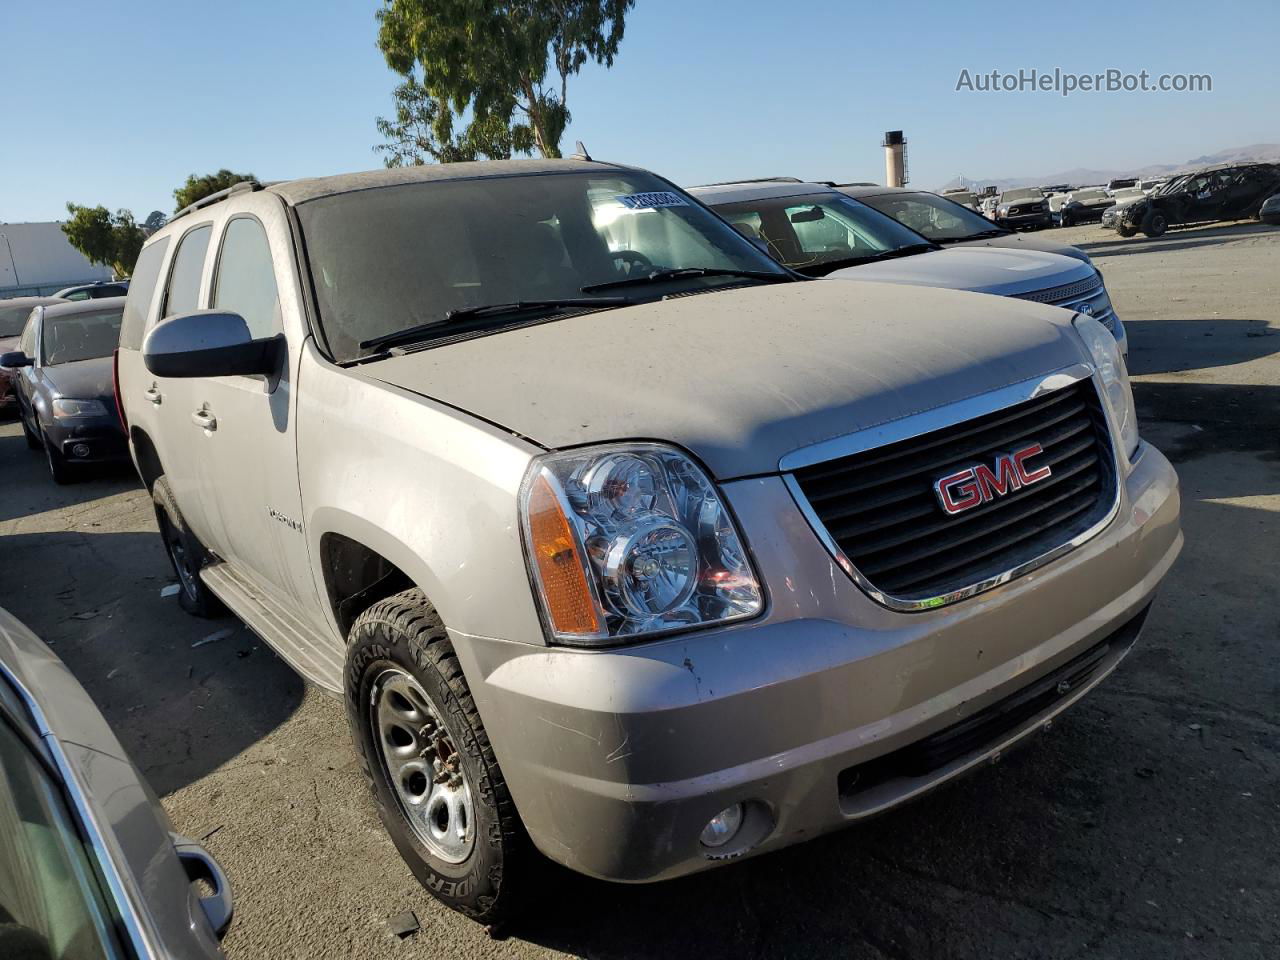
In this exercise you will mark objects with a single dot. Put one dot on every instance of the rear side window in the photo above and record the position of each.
(246, 280)
(142, 291)
(183, 292)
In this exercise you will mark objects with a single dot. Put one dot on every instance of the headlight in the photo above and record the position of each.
(631, 539)
(78, 408)
(1002, 210)
(1116, 392)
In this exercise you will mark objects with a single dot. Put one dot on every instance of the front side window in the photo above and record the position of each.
(80, 336)
(182, 295)
(818, 233)
(51, 901)
(77, 295)
(392, 258)
(937, 218)
(28, 342)
(246, 280)
(142, 291)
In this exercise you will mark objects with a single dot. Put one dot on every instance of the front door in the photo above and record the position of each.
(248, 463)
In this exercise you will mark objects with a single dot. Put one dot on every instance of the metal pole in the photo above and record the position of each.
(12, 262)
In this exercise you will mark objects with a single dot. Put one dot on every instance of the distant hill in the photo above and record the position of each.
(1085, 175)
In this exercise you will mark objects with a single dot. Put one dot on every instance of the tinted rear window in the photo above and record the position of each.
(142, 290)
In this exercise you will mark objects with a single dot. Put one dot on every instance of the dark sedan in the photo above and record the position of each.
(90, 867)
(13, 317)
(66, 397)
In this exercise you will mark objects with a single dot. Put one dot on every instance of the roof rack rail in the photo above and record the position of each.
(729, 183)
(240, 187)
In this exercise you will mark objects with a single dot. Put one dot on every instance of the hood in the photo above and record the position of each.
(1023, 241)
(997, 270)
(83, 379)
(742, 377)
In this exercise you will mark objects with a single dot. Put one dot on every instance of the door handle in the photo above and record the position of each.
(153, 395)
(205, 419)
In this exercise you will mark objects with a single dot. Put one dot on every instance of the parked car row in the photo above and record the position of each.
(594, 498)
(1220, 192)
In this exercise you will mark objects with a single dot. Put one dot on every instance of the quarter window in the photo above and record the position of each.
(183, 292)
(246, 280)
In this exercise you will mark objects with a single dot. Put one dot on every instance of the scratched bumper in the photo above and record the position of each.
(617, 758)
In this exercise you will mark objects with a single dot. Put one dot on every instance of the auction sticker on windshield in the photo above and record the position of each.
(647, 201)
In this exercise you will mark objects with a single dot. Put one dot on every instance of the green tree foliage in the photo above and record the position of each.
(106, 238)
(422, 131)
(197, 188)
(505, 65)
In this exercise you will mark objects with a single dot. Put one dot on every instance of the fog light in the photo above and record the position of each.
(80, 450)
(723, 827)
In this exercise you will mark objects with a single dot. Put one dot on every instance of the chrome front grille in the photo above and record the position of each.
(1074, 296)
(878, 510)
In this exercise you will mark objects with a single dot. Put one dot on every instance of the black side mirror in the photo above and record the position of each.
(15, 359)
(210, 343)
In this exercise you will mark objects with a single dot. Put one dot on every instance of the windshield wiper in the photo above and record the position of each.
(680, 272)
(830, 266)
(462, 314)
(980, 235)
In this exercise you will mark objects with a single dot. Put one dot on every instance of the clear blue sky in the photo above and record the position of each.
(116, 103)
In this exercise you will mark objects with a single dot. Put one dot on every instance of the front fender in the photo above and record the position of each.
(429, 488)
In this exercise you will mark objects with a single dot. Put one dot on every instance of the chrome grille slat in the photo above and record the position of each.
(878, 509)
(1068, 291)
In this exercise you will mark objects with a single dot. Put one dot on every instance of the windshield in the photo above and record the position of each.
(1088, 196)
(808, 231)
(937, 218)
(80, 336)
(392, 258)
(12, 320)
(1011, 196)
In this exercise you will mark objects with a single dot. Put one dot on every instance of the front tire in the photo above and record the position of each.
(33, 439)
(186, 554)
(1155, 224)
(59, 469)
(428, 760)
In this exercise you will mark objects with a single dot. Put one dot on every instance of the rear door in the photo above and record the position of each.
(247, 456)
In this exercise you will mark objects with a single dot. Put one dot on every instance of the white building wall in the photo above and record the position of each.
(38, 255)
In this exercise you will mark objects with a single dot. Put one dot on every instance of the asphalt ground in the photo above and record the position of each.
(1143, 826)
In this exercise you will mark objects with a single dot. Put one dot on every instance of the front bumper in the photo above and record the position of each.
(617, 758)
(89, 440)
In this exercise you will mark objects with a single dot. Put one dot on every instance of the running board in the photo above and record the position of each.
(310, 653)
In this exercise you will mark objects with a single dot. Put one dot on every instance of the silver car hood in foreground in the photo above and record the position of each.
(1001, 271)
(742, 377)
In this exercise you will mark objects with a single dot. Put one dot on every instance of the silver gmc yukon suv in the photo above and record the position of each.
(620, 540)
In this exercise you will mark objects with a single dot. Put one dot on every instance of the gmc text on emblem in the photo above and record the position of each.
(979, 484)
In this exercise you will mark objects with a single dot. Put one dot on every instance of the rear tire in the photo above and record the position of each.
(1155, 224)
(186, 554)
(414, 721)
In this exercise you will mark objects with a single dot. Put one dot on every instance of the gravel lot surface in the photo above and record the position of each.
(1144, 826)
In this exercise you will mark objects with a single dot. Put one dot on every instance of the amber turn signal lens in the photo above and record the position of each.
(569, 603)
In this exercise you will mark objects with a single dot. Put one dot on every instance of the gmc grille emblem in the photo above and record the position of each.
(979, 484)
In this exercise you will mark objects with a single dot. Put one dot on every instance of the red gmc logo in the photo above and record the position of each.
(979, 484)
